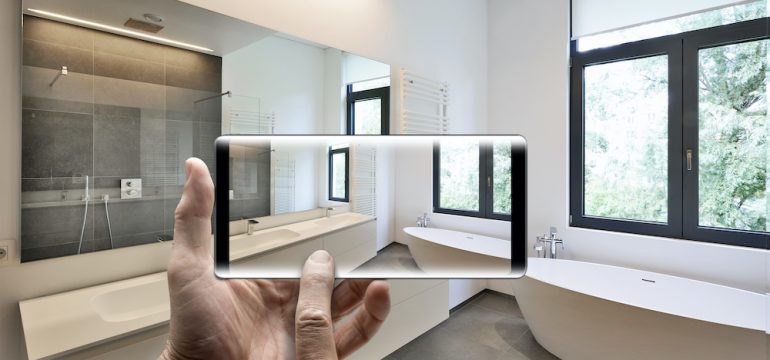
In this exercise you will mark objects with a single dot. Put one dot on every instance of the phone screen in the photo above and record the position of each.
(404, 206)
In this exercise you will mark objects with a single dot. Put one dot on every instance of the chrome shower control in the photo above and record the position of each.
(130, 188)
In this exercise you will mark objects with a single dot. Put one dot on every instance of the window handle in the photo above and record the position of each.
(489, 181)
(689, 159)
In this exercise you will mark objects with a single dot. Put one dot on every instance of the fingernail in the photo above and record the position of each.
(320, 257)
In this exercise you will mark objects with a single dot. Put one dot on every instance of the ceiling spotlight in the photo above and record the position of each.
(154, 18)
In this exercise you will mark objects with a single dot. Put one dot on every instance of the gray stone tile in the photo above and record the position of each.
(36, 28)
(181, 105)
(487, 327)
(190, 78)
(394, 257)
(152, 144)
(441, 344)
(249, 208)
(136, 239)
(477, 332)
(128, 47)
(206, 135)
(180, 139)
(49, 104)
(55, 225)
(127, 68)
(527, 345)
(48, 252)
(116, 141)
(53, 183)
(128, 218)
(208, 64)
(56, 144)
(499, 302)
(120, 92)
(54, 56)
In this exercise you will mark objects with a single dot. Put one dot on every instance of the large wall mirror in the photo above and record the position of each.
(117, 94)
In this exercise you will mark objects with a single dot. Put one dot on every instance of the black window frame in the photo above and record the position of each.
(682, 50)
(332, 152)
(486, 184)
(382, 93)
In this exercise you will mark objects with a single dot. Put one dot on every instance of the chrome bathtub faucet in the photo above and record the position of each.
(423, 221)
(552, 242)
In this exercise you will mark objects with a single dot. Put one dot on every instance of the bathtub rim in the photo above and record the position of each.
(761, 300)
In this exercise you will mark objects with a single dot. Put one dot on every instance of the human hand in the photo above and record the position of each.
(259, 319)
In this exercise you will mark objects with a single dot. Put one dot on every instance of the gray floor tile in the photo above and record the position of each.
(528, 346)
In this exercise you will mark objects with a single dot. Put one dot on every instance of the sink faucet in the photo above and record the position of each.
(423, 220)
(329, 211)
(550, 240)
(250, 226)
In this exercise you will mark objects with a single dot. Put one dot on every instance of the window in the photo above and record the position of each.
(368, 107)
(670, 136)
(339, 166)
(472, 178)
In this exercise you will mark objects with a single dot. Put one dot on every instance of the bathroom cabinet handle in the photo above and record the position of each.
(689, 159)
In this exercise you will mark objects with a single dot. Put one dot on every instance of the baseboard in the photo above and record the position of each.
(474, 297)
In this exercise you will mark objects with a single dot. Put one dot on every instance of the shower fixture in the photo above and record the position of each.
(86, 198)
(106, 199)
(63, 71)
(228, 93)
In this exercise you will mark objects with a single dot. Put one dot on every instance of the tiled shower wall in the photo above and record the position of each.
(125, 110)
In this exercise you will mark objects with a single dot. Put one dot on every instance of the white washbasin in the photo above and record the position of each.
(339, 220)
(134, 302)
(261, 239)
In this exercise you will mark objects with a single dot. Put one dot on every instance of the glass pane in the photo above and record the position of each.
(338, 175)
(733, 137)
(730, 15)
(459, 181)
(501, 182)
(368, 115)
(626, 140)
(371, 84)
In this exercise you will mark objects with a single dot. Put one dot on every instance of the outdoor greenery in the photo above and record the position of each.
(459, 175)
(626, 105)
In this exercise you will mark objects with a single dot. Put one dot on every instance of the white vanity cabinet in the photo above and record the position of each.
(350, 247)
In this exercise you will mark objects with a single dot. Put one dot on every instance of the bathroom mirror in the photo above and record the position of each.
(117, 94)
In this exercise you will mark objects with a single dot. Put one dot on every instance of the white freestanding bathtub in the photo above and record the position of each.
(580, 310)
(448, 253)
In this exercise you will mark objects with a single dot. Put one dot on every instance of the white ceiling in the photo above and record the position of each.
(183, 22)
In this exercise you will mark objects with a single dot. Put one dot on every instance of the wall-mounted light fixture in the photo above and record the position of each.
(114, 29)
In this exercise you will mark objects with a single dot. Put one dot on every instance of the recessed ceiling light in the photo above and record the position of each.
(118, 30)
(154, 18)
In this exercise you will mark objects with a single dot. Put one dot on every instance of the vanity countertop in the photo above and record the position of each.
(57, 324)
(244, 245)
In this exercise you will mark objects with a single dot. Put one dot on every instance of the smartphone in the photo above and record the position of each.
(399, 206)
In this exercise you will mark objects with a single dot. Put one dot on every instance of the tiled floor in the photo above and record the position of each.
(394, 257)
(488, 327)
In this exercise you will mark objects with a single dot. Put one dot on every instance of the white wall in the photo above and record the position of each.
(357, 68)
(528, 88)
(286, 76)
(440, 39)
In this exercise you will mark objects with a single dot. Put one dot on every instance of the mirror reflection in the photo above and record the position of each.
(117, 94)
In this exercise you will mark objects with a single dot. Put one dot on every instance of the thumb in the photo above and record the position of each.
(314, 333)
(192, 219)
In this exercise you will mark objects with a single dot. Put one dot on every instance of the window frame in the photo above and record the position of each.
(682, 50)
(330, 171)
(382, 93)
(486, 184)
